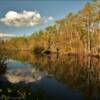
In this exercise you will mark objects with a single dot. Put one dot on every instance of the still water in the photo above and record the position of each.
(50, 77)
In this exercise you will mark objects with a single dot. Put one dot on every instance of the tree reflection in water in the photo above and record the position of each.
(79, 73)
(3, 65)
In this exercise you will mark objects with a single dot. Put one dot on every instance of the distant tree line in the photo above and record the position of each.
(75, 33)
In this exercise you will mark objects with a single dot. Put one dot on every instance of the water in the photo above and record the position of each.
(50, 77)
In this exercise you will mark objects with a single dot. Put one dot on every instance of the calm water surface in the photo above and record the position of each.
(50, 77)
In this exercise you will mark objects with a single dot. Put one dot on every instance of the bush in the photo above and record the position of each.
(3, 58)
(38, 50)
(3, 65)
(47, 52)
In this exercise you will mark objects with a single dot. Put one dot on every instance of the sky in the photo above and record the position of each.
(23, 17)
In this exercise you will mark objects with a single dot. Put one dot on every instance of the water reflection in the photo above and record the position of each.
(22, 72)
(54, 77)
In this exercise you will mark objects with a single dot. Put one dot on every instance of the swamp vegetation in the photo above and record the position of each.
(61, 62)
(75, 33)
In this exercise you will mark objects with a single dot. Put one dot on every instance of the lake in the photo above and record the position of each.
(50, 77)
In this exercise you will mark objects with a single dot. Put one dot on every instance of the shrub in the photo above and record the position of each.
(38, 50)
(47, 52)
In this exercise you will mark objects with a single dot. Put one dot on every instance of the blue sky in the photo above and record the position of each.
(49, 10)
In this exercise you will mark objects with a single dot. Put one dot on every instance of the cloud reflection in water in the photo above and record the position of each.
(22, 72)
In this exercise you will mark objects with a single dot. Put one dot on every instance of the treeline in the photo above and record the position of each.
(75, 33)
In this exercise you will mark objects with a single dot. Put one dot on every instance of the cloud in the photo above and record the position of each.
(50, 18)
(24, 18)
(6, 35)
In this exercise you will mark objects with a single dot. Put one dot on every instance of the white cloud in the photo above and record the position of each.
(50, 18)
(6, 35)
(25, 18)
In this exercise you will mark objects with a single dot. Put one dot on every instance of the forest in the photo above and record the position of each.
(76, 33)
